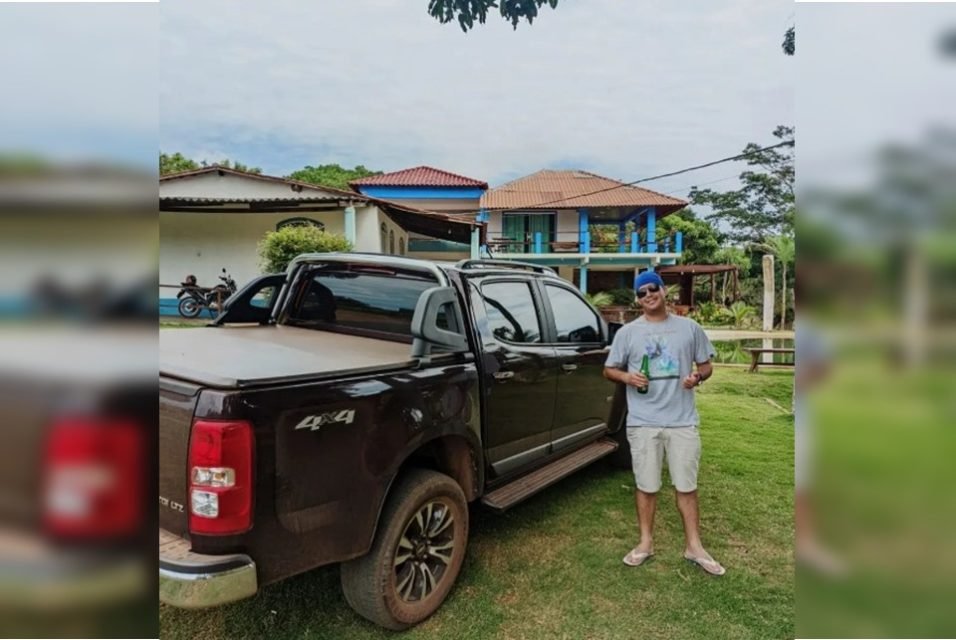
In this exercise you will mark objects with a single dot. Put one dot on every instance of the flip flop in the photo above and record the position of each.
(636, 558)
(709, 565)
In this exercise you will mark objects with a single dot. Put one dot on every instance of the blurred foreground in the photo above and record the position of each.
(877, 290)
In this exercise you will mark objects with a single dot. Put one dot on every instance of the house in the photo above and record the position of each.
(430, 189)
(580, 223)
(214, 218)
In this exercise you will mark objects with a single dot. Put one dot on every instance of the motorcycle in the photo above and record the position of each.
(193, 298)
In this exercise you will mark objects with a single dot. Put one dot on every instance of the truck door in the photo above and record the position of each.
(583, 394)
(520, 372)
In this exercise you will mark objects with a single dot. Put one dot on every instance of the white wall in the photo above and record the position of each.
(391, 226)
(203, 243)
(367, 229)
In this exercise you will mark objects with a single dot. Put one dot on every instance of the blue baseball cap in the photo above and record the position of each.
(646, 278)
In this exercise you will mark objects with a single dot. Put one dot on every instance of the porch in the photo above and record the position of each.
(581, 220)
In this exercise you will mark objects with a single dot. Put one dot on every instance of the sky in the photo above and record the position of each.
(871, 75)
(623, 89)
(79, 81)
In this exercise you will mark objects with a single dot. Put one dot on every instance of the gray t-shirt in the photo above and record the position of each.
(673, 346)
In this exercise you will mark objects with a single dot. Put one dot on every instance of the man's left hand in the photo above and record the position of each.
(691, 381)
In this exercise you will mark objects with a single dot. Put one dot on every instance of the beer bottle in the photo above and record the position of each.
(646, 371)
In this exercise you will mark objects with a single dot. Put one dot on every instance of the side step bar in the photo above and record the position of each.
(514, 492)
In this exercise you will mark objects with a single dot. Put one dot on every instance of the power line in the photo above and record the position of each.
(740, 156)
(674, 192)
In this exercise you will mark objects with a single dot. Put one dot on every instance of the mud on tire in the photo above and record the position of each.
(417, 553)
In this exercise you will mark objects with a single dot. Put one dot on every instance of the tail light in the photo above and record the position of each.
(220, 477)
(93, 478)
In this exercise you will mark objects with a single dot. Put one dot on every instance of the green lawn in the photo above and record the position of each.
(551, 567)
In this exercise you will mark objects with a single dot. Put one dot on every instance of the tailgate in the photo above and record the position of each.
(177, 402)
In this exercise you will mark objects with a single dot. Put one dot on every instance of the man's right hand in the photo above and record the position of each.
(638, 380)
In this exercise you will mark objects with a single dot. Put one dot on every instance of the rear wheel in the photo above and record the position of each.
(189, 308)
(417, 553)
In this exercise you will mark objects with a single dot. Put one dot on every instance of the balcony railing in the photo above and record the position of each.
(581, 243)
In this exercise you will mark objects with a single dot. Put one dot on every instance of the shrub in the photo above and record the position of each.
(623, 297)
(278, 248)
(743, 314)
(600, 299)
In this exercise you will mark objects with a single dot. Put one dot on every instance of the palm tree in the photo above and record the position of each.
(784, 249)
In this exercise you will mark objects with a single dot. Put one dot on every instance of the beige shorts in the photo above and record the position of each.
(648, 446)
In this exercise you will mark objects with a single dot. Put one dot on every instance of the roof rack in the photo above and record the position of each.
(504, 264)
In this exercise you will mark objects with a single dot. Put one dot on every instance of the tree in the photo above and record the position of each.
(467, 12)
(764, 205)
(701, 241)
(332, 175)
(236, 166)
(784, 248)
(278, 248)
(177, 162)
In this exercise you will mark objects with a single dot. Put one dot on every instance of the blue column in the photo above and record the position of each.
(583, 284)
(634, 245)
(678, 242)
(350, 225)
(537, 242)
(583, 235)
(652, 230)
(621, 237)
(475, 243)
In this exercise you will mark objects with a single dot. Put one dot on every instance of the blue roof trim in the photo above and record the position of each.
(422, 193)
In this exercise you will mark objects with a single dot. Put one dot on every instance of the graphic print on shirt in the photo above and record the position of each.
(663, 364)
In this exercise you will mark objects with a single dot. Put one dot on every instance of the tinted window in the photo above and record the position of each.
(510, 310)
(370, 301)
(573, 318)
(263, 299)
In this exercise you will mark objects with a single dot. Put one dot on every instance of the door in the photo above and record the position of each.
(520, 229)
(521, 375)
(583, 394)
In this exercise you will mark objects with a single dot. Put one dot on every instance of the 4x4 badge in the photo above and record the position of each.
(313, 423)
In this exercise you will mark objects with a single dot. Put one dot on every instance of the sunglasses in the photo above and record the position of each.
(651, 288)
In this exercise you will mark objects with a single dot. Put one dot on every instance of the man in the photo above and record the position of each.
(664, 420)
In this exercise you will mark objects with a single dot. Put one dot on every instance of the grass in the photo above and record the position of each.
(884, 476)
(551, 567)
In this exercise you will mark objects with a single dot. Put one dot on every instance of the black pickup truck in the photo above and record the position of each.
(348, 411)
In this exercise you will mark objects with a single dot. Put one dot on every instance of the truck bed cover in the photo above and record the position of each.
(241, 356)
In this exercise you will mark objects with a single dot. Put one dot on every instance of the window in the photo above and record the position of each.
(372, 301)
(391, 241)
(264, 298)
(384, 237)
(511, 312)
(401, 246)
(573, 318)
(518, 231)
(299, 222)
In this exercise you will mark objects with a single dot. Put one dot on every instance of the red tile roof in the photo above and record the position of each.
(419, 177)
(571, 189)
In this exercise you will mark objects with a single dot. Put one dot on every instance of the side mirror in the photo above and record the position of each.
(438, 323)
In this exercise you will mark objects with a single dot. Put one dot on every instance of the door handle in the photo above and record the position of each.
(504, 375)
(569, 367)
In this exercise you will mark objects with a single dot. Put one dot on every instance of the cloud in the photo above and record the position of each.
(79, 79)
(623, 88)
